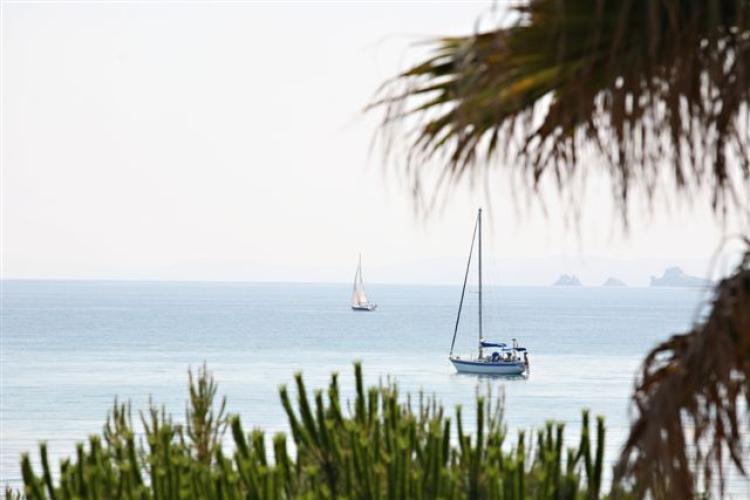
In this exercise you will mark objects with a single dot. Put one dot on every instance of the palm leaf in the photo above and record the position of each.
(697, 381)
(659, 88)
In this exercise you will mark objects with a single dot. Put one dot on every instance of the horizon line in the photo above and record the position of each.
(284, 282)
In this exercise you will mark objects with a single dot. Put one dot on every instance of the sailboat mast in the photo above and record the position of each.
(479, 224)
(463, 289)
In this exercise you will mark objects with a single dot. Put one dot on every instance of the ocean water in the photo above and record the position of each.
(69, 348)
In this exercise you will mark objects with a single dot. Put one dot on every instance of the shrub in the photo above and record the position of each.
(386, 447)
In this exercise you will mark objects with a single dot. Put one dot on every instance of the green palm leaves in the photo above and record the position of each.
(656, 92)
(386, 448)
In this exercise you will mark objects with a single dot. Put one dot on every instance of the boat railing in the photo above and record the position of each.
(515, 357)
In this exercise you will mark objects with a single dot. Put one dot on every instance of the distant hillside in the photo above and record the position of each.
(674, 276)
(567, 280)
(614, 282)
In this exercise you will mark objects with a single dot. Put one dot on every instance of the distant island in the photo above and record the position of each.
(674, 276)
(567, 280)
(614, 282)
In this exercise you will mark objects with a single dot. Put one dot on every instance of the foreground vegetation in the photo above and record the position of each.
(384, 446)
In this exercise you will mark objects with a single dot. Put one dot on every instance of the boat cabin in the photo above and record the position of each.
(500, 351)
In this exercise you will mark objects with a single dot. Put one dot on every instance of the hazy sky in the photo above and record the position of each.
(227, 142)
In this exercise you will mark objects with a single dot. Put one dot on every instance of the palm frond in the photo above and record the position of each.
(698, 381)
(660, 89)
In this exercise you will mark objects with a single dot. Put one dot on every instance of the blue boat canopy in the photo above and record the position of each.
(487, 343)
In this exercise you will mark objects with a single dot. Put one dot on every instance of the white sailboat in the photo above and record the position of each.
(359, 297)
(503, 359)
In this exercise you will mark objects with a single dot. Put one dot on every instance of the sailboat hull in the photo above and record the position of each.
(489, 367)
(367, 307)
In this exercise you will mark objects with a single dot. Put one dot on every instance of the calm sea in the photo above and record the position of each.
(70, 347)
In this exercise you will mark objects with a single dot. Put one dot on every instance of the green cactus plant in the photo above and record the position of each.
(386, 448)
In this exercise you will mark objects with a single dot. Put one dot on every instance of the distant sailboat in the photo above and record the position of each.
(359, 297)
(504, 359)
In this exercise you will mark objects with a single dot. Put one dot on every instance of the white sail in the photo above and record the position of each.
(359, 297)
